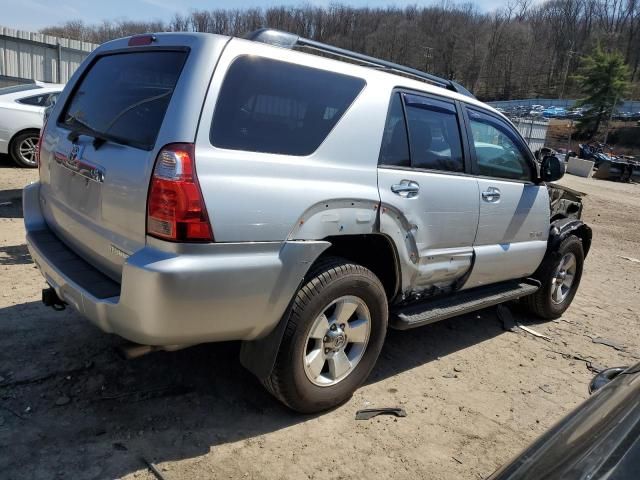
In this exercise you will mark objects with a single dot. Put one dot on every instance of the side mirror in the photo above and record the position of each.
(551, 169)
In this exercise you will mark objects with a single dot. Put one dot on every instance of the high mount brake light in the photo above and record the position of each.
(175, 207)
(140, 40)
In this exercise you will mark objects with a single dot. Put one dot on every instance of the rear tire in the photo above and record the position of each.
(335, 331)
(23, 149)
(560, 274)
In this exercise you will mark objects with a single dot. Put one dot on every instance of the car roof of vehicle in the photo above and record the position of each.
(49, 85)
(322, 62)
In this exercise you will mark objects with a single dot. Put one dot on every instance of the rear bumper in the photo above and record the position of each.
(214, 292)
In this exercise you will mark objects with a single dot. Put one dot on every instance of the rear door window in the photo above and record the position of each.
(434, 134)
(422, 132)
(124, 97)
(271, 106)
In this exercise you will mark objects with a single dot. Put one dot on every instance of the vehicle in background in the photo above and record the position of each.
(575, 113)
(536, 111)
(598, 440)
(199, 188)
(21, 117)
(554, 112)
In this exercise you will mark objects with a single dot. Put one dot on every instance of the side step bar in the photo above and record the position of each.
(434, 310)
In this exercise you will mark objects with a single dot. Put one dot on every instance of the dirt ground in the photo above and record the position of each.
(474, 393)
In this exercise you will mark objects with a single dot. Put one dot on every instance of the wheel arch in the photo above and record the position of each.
(562, 228)
(259, 356)
(20, 132)
(374, 251)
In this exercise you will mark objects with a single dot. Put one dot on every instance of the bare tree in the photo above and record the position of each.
(523, 49)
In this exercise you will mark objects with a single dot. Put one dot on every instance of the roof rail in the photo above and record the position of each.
(282, 39)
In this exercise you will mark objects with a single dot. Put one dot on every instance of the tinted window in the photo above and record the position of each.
(395, 147)
(498, 151)
(276, 107)
(124, 97)
(36, 100)
(18, 88)
(434, 134)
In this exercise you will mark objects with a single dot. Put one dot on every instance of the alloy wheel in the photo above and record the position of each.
(337, 341)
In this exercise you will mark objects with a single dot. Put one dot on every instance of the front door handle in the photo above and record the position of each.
(491, 194)
(406, 188)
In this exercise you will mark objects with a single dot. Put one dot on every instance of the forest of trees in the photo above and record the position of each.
(519, 51)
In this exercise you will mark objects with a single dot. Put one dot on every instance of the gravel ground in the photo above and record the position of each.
(475, 394)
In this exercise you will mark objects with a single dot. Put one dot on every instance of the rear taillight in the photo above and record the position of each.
(175, 207)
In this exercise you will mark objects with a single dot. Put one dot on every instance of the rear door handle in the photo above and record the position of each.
(491, 194)
(406, 188)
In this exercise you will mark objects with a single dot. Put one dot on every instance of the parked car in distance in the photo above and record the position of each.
(598, 440)
(554, 112)
(21, 116)
(199, 188)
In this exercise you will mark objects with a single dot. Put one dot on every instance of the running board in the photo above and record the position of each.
(434, 310)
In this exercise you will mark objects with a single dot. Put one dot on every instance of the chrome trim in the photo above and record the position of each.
(74, 164)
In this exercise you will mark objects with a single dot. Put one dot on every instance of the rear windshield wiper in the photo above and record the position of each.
(137, 104)
(85, 129)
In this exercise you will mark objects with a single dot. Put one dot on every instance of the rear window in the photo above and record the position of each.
(271, 106)
(124, 97)
(36, 100)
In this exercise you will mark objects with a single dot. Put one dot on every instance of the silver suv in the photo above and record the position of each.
(199, 188)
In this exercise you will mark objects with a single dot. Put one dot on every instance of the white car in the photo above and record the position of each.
(21, 116)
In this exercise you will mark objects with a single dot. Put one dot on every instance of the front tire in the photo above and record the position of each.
(23, 149)
(335, 331)
(560, 275)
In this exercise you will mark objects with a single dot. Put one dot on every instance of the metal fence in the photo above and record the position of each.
(27, 56)
(533, 130)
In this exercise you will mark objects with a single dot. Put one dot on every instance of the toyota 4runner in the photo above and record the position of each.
(199, 188)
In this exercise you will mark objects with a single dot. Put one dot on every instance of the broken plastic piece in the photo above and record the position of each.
(369, 413)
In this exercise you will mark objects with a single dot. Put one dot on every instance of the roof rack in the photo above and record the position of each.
(279, 38)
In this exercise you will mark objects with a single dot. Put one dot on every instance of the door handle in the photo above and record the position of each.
(406, 189)
(491, 194)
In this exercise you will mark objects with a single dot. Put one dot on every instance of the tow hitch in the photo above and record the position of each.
(50, 299)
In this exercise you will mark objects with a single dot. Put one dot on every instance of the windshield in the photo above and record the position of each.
(124, 97)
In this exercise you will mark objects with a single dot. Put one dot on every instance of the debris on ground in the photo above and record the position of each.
(608, 343)
(119, 446)
(153, 468)
(595, 367)
(5, 204)
(505, 316)
(510, 324)
(631, 259)
(545, 388)
(369, 413)
(534, 333)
